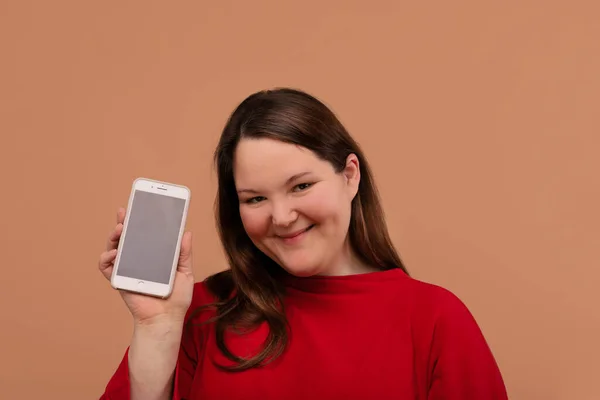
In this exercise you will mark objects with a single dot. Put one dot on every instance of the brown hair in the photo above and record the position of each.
(250, 293)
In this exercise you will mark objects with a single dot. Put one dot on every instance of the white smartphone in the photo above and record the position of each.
(150, 242)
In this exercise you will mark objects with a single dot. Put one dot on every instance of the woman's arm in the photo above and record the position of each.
(158, 364)
(149, 369)
(152, 359)
(462, 364)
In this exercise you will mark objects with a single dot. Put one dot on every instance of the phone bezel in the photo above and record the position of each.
(151, 288)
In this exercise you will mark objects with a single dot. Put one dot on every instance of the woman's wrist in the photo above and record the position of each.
(159, 328)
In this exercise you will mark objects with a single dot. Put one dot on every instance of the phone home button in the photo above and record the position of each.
(140, 284)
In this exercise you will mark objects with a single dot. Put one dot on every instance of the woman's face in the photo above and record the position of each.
(294, 206)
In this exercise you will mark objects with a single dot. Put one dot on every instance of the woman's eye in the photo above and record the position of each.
(255, 200)
(303, 186)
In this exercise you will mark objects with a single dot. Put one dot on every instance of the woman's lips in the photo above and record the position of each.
(295, 236)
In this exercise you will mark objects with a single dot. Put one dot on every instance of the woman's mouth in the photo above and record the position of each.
(295, 237)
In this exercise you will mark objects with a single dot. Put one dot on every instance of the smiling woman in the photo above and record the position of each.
(317, 303)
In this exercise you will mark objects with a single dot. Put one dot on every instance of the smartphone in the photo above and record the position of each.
(150, 242)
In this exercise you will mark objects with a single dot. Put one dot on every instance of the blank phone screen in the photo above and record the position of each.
(151, 239)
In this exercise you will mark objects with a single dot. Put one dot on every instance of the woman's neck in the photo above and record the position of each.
(348, 263)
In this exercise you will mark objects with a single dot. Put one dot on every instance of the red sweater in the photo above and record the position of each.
(376, 336)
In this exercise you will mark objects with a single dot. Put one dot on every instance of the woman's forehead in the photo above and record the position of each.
(260, 161)
(261, 153)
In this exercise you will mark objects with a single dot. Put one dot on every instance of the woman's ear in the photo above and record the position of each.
(352, 174)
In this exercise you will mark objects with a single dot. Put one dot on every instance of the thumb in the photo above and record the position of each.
(185, 254)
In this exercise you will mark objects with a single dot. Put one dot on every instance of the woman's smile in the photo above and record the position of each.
(294, 237)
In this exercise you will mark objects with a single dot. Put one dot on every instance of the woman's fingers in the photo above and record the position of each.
(113, 238)
(185, 255)
(106, 262)
(115, 235)
(121, 216)
(107, 258)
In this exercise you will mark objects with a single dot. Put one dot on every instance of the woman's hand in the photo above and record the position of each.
(147, 310)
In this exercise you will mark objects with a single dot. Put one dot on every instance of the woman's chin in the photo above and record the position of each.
(301, 271)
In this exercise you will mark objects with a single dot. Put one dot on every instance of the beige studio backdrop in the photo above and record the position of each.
(480, 119)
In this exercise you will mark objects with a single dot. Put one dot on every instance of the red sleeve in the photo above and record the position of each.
(186, 365)
(462, 364)
(118, 386)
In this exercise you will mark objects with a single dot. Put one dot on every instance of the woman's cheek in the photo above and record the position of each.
(255, 224)
(321, 206)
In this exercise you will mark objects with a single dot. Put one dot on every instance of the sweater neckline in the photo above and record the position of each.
(355, 283)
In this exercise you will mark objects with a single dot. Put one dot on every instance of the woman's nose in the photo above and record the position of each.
(283, 215)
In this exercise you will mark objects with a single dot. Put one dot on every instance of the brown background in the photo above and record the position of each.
(481, 122)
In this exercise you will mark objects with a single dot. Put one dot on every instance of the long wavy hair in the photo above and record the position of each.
(251, 292)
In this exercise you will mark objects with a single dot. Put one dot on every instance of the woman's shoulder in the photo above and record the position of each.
(202, 295)
(438, 302)
(209, 292)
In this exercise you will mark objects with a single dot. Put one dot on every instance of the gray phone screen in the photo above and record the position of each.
(151, 238)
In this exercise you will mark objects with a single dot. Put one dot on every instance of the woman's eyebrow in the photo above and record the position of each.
(296, 177)
(287, 182)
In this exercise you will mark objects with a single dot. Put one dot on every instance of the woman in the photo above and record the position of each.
(317, 304)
